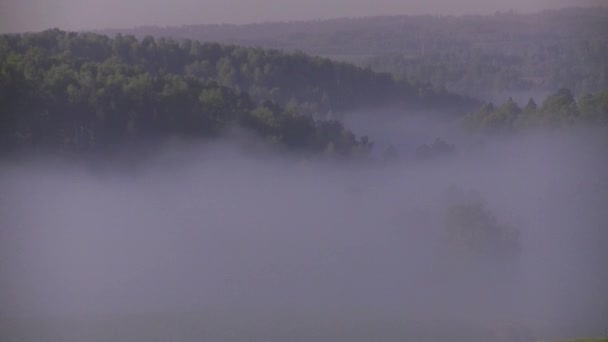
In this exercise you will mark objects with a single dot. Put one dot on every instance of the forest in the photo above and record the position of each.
(88, 90)
(486, 56)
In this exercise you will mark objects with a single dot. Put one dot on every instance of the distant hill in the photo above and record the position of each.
(488, 55)
(396, 34)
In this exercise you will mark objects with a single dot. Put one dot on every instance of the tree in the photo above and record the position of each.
(559, 109)
(502, 119)
(473, 234)
(594, 108)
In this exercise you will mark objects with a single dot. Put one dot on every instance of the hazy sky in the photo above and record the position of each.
(34, 15)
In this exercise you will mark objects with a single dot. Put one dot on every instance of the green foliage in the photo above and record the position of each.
(85, 91)
(594, 108)
(312, 85)
(558, 110)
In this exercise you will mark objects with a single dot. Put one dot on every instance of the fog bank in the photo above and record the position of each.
(205, 242)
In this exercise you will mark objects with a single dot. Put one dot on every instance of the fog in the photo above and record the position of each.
(206, 242)
(35, 15)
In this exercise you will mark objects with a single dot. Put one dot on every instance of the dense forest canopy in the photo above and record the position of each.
(60, 88)
(313, 85)
(485, 56)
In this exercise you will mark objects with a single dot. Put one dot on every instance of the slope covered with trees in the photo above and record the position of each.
(87, 90)
(475, 55)
(313, 85)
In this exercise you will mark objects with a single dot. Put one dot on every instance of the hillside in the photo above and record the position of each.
(475, 55)
(313, 85)
(86, 90)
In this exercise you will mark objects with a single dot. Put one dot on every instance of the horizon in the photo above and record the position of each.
(91, 15)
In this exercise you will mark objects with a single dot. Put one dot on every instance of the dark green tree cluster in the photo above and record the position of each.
(557, 110)
(87, 90)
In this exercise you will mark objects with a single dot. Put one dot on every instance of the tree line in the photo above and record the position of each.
(560, 109)
(86, 90)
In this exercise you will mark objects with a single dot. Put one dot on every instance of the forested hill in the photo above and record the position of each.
(87, 90)
(377, 35)
(480, 55)
(311, 85)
